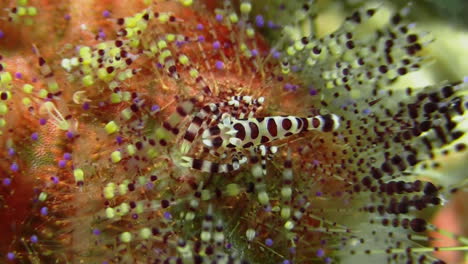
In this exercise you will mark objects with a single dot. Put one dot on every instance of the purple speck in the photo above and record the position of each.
(149, 186)
(271, 24)
(18, 75)
(313, 92)
(67, 156)
(292, 250)
(119, 140)
(228, 245)
(276, 54)
(14, 167)
(288, 87)
(167, 215)
(102, 34)
(106, 13)
(44, 211)
(269, 242)
(135, 216)
(200, 27)
(96, 232)
(6, 181)
(11, 151)
(259, 21)
(366, 111)
(55, 179)
(320, 253)
(316, 162)
(465, 79)
(295, 68)
(201, 38)
(219, 65)
(42, 121)
(318, 194)
(86, 106)
(10, 255)
(155, 108)
(328, 260)
(34, 239)
(286, 261)
(67, 17)
(254, 52)
(1, 34)
(35, 136)
(219, 17)
(62, 163)
(216, 45)
(69, 135)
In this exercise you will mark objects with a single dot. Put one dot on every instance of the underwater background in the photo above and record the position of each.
(233, 131)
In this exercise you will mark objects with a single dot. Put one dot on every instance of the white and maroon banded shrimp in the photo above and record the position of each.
(230, 129)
